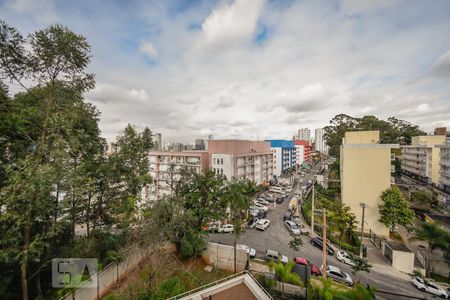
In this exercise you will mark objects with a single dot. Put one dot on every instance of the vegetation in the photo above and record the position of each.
(55, 172)
(361, 264)
(391, 131)
(285, 274)
(327, 290)
(423, 199)
(436, 237)
(394, 209)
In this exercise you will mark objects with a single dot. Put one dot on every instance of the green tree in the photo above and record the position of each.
(285, 274)
(342, 219)
(394, 209)
(295, 243)
(361, 264)
(423, 198)
(435, 236)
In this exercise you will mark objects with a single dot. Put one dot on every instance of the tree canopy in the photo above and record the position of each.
(394, 209)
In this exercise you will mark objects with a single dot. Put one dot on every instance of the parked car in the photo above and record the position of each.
(276, 189)
(303, 229)
(262, 214)
(427, 285)
(262, 224)
(345, 258)
(314, 268)
(318, 242)
(212, 226)
(262, 201)
(279, 200)
(261, 207)
(226, 228)
(252, 223)
(269, 198)
(337, 275)
(250, 251)
(289, 189)
(292, 227)
(287, 216)
(274, 256)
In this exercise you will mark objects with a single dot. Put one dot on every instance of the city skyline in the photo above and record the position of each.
(188, 69)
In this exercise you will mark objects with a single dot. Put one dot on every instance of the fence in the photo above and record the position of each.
(108, 277)
(376, 240)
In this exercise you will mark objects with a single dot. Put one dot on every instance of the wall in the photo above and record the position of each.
(362, 137)
(227, 166)
(237, 146)
(223, 257)
(277, 160)
(403, 261)
(365, 174)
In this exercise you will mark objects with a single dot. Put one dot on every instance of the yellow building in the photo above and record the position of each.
(365, 174)
(421, 159)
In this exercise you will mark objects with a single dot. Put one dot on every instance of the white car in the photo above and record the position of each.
(226, 228)
(292, 227)
(250, 251)
(429, 286)
(289, 189)
(261, 207)
(262, 224)
(262, 201)
(345, 258)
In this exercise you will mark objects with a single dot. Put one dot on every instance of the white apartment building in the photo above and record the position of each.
(304, 134)
(421, 159)
(241, 160)
(300, 154)
(320, 141)
(444, 170)
(164, 166)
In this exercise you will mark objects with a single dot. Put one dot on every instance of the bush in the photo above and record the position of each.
(350, 248)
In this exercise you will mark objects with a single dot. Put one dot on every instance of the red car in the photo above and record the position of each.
(314, 268)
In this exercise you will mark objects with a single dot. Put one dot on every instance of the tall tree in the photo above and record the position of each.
(394, 209)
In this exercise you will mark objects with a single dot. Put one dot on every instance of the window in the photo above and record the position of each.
(221, 171)
(221, 161)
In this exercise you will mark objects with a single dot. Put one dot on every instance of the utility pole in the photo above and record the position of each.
(361, 248)
(312, 209)
(324, 238)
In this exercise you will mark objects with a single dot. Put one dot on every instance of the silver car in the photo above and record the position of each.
(337, 275)
(292, 227)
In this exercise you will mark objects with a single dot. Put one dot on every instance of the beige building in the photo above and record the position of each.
(241, 160)
(365, 174)
(421, 159)
(444, 170)
(164, 167)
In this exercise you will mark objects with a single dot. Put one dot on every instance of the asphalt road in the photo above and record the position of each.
(276, 237)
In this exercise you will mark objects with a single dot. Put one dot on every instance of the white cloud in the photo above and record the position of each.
(148, 49)
(232, 23)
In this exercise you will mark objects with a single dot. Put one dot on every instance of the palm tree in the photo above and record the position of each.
(238, 200)
(342, 219)
(284, 273)
(435, 236)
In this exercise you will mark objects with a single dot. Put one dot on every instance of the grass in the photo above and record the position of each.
(440, 278)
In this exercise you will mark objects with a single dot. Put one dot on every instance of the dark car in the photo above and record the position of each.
(318, 242)
(262, 214)
(280, 200)
(287, 216)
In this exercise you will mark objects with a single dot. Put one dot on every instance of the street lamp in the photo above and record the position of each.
(361, 247)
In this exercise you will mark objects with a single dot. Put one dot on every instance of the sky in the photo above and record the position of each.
(255, 69)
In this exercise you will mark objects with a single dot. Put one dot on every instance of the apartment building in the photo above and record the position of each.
(163, 167)
(421, 159)
(284, 156)
(304, 134)
(305, 151)
(365, 174)
(157, 141)
(241, 160)
(320, 142)
(444, 170)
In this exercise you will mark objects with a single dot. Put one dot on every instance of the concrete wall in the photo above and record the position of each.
(362, 137)
(222, 256)
(277, 161)
(227, 166)
(403, 261)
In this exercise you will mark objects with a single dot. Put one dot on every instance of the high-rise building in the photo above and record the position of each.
(305, 151)
(157, 141)
(304, 134)
(444, 171)
(199, 144)
(320, 142)
(365, 174)
(284, 156)
(241, 160)
(210, 137)
(420, 160)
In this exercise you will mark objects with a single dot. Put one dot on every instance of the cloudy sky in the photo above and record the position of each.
(253, 68)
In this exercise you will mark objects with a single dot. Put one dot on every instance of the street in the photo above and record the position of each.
(276, 237)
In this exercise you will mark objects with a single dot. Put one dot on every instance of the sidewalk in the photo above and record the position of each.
(380, 263)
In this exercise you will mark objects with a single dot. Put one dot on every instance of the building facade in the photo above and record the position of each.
(164, 167)
(306, 151)
(365, 174)
(241, 160)
(420, 160)
(304, 134)
(320, 142)
(157, 141)
(444, 170)
(199, 144)
(284, 156)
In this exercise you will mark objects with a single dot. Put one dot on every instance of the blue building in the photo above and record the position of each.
(284, 156)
